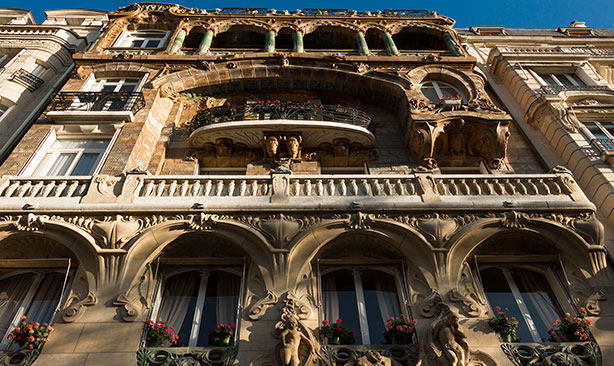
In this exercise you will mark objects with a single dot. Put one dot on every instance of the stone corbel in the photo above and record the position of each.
(76, 309)
(128, 308)
(257, 311)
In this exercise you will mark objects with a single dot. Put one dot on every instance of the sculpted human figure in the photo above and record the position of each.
(290, 342)
(451, 340)
(271, 144)
(293, 146)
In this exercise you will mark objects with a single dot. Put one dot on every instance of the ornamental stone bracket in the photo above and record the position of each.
(433, 142)
(362, 355)
(570, 353)
(197, 356)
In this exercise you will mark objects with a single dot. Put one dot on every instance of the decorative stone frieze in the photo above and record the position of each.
(572, 353)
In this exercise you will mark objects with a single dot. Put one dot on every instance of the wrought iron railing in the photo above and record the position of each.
(606, 146)
(279, 110)
(27, 79)
(98, 101)
(556, 89)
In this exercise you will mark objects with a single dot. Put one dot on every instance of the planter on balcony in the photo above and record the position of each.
(201, 356)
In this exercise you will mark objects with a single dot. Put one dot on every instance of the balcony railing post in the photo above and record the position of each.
(427, 187)
(280, 184)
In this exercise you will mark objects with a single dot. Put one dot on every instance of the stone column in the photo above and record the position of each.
(452, 46)
(269, 45)
(363, 49)
(390, 46)
(206, 42)
(178, 42)
(298, 42)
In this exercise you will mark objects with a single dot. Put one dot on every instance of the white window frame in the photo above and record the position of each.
(52, 137)
(96, 85)
(597, 123)
(570, 76)
(551, 277)
(27, 300)
(238, 270)
(127, 37)
(437, 88)
(360, 298)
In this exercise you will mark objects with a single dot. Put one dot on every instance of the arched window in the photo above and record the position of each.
(33, 294)
(330, 38)
(193, 40)
(150, 38)
(194, 302)
(437, 91)
(364, 298)
(240, 37)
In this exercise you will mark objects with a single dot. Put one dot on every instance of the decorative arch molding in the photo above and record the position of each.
(380, 27)
(225, 25)
(113, 69)
(276, 27)
(579, 237)
(346, 81)
(441, 72)
(309, 27)
(82, 245)
(136, 277)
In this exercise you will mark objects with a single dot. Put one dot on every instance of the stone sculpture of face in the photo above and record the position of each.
(270, 146)
(292, 147)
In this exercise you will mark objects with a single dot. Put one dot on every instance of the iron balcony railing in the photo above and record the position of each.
(27, 79)
(282, 110)
(98, 101)
(556, 89)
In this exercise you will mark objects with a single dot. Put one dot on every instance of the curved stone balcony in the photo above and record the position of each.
(248, 123)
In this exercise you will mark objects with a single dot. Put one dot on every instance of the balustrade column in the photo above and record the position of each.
(363, 49)
(298, 42)
(390, 46)
(205, 44)
(452, 46)
(269, 45)
(178, 42)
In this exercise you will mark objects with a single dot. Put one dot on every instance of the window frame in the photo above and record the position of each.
(437, 88)
(127, 37)
(393, 268)
(55, 265)
(571, 75)
(47, 144)
(205, 266)
(549, 266)
(589, 134)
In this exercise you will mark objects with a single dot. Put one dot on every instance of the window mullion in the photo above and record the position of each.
(199, 309)
(437, 89)
(521, 305)
(362, 308)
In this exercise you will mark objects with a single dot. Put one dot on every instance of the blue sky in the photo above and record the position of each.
(513, 14)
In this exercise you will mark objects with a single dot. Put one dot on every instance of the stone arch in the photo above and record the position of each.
(396, 236)
(309, 27)
(590, 258)
(148, 245)
(72, 238)
(195, 35)
(387, 90)
(122, 69)
(224, 26)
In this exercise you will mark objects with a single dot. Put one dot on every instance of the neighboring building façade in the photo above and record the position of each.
(274, 170)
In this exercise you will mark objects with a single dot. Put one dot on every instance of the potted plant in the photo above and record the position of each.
(337, 333)
(571, 329)
(399, 330)
(30, 333)
(503, 325)
(450, 100)
(159, 334)
(222, 335)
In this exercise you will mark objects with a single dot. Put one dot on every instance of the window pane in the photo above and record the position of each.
(549, 80)
(609, 126)
(12, 292)
(136, 43)
(43, 166)
(539, 299)
(498, 293)
(429, 91)
(46, 298)
(564, 80)
(178, 303)
(220, 303)
(339, 298)
(61, 164)
(86, 164)
(381, 300)
(152, 43)
(595, 130)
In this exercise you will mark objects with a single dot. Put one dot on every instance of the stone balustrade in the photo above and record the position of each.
(42, 187)
(554, 190)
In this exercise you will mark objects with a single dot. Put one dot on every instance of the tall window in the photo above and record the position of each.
(142, 39)
(525, 294)
(561, 79)
(600, 130)
(364, 298)
(195, 301)
(437, 90)
(35, 295)
(71, 157)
